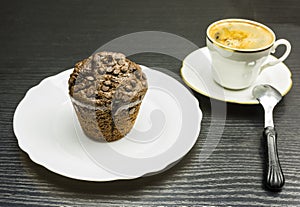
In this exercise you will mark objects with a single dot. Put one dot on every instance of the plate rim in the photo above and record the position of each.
(27, 149)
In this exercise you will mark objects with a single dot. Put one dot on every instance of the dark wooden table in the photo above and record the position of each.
(42, 38)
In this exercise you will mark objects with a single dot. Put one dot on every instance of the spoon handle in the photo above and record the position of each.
(275, 178)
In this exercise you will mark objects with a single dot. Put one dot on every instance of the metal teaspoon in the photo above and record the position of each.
(268, 98)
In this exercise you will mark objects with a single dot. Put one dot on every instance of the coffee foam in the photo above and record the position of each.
(241, 35)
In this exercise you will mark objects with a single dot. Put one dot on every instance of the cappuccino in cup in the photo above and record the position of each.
(239, 49)
(241, 35)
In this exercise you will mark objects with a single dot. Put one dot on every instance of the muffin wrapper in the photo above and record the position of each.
(105, 123)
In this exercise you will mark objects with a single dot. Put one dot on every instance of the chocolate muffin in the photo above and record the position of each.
(107, 90)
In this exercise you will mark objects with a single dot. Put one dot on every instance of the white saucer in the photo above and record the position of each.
(167, 127)
(196, 73)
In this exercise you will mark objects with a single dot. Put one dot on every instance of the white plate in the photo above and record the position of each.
(196, 73)
(167, 127)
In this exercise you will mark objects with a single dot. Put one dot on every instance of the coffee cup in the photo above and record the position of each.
(239, 49)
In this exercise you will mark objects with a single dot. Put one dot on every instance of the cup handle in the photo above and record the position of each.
(283, 57)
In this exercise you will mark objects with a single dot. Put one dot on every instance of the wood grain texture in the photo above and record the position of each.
(43, 38)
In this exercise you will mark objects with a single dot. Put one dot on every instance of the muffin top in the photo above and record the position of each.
(107, 78)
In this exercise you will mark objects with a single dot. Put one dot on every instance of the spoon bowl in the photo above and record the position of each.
(266, 90)
(266, 95)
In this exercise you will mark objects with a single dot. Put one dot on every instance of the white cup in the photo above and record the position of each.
(235, 68)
